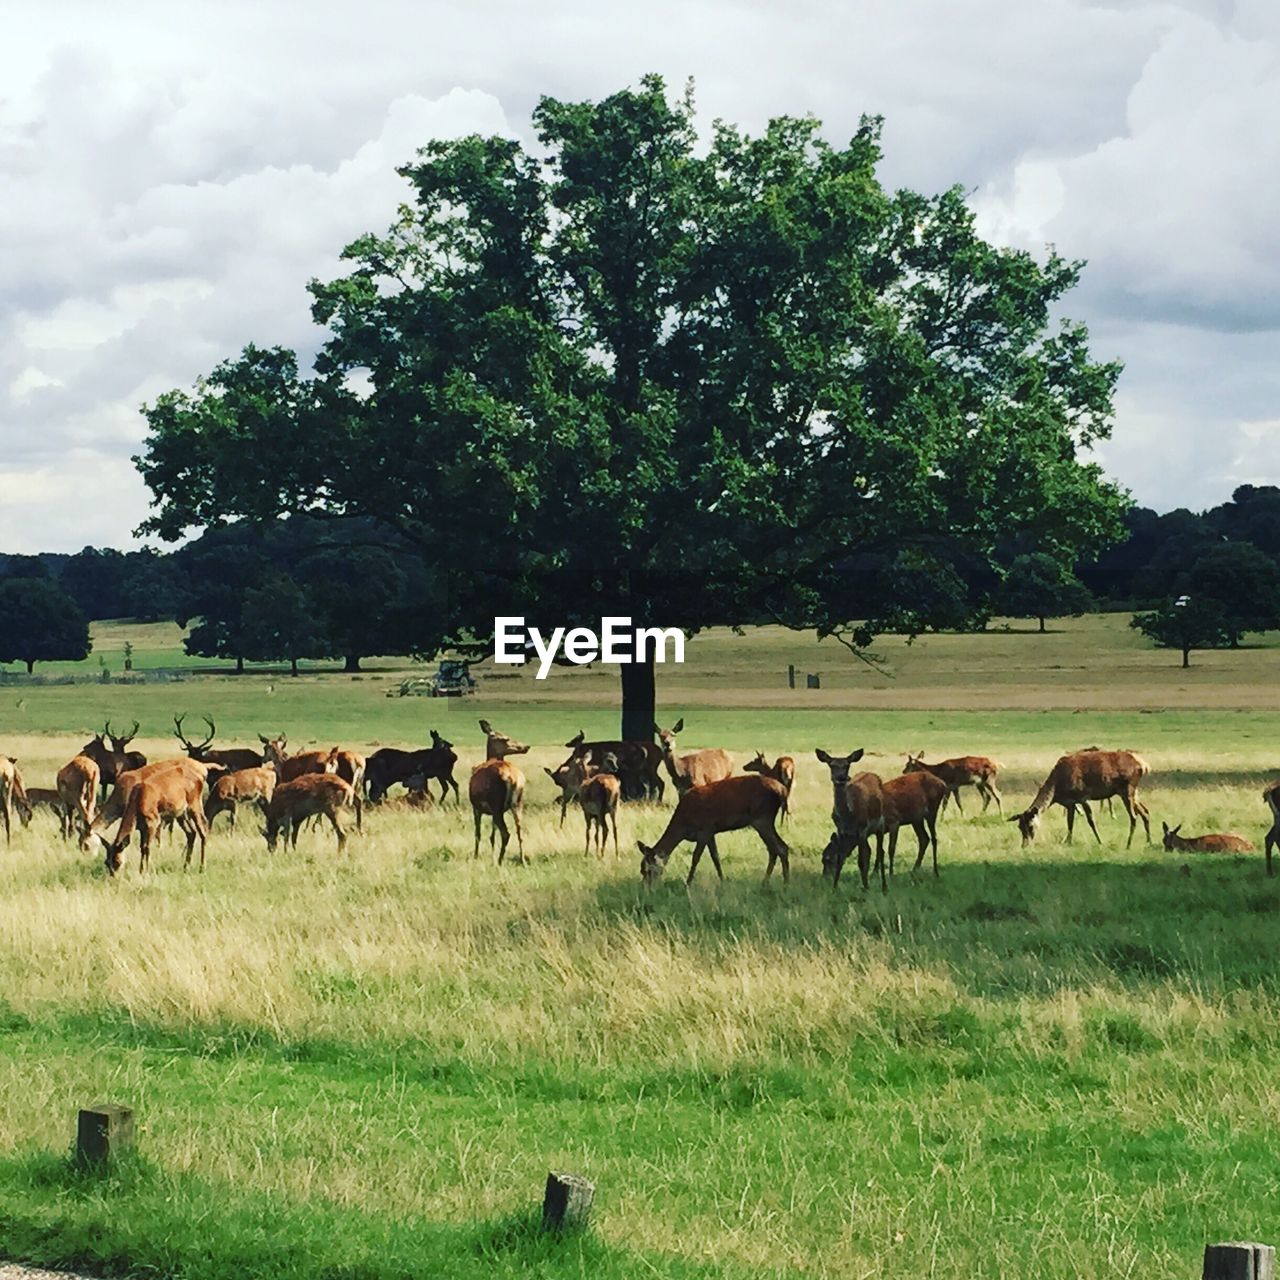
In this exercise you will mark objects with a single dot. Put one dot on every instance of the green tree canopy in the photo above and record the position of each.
(629, 374)
(1186, 623)
(1039, 586)
(1244, 582)
(39, 622)
(278, 623)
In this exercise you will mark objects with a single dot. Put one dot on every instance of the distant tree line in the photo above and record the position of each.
(310, 588)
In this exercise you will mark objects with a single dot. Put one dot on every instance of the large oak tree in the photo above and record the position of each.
(625, 373)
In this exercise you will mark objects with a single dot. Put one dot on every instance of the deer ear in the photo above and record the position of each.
(1165, 827)
(856, 755)
(678, 727)
(1017, 817)
(822, 755)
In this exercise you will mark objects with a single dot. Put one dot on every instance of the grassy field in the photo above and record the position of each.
(1060, 1057)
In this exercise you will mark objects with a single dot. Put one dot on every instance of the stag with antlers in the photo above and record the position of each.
(230, 758)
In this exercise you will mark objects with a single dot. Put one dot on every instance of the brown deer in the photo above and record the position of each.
(10, 791)
(389, 765)
(1089, 775)
(164, 795)
(858, 812)
(695, 769)
(114, 759)
(712, 808)
(1224, 843)
(568, 777)
(114, 806)
(242, 786)
(1272, 796)
(45, 798)
(962, 771)
(496, 787)
(124, 758)
(78, 781)
(782, 770)
(597, 791)
(639, 764)
(230, 758)
(308, 796)
(288, 767)
(914, 800)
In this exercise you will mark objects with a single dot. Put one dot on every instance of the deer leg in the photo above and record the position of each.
(500, 824)
(1128, 801)
(893, 848)
(515, 813)
(923, 837)
(1071, 821)
(778, 850)
(586, 822)
(338, 831)
(1145, 814)
(475, 813)
(954, 793)
(991, 786)
(1088, 814)
(693, 862)
(1273, 842)
(188, 830)
(880, 861)
(202, 831)
(613, 814)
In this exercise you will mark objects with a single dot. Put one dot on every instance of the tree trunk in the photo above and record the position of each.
(351, 662)
(239, 665)
(1186, 655)
(31, 666)
(293, 666)
(1042, 626)
(639, 701)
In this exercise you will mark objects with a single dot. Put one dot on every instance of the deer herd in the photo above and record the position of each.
(107, 785)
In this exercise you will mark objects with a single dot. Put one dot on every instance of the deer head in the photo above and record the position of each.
(758, 765)
(498, 745)
(839, 765)
(667, 737)
(652, 863)
(1028, 823)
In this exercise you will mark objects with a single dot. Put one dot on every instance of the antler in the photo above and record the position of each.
(213, 729)
(486, 727)
(123, 741)
(177, 730)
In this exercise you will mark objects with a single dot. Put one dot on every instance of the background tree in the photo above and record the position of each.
(278, 623)
(1185, 624)
(630, 375)
(39, 622)
(95, 579)
(1038, 586)
(1244, 582)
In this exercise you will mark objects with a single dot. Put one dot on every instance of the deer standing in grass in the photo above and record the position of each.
(962, 771)
(597, 791)
(1228, 842)
(114, 807)
(497, 788)
(288, 767)
(1272, 796)
(639, 764)
(230, 758)
(114, 759)
(1089, 775)
(857, 813)
(242, 786)
(12, 796)
(782, 770)
(78, 781)
(310, 795)
(176, 795)
(914, 800)
(696, 768)
(706, 811)
(389, 765)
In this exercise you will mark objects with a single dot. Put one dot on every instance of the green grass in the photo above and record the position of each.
(1060, 1057)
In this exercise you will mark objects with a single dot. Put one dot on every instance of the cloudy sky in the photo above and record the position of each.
(172, 178)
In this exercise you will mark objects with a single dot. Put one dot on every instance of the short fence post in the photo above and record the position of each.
(103, 1132)
(1239, 1260)
(791, 675)
(566, 1205)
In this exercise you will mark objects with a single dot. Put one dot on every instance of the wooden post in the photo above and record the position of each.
(1239, 1260)
(791, 675)
(566, 1205)
(103, 1132)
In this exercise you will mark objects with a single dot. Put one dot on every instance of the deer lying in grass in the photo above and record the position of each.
(706, 811)
(962, 771)
(1272, 796)
(166, 794)
(695, 769)
(782, 770)
(243, 786)
(1226, 843)
(78, 786)
(311, 795)
(497, 788)
(639, 764)
(914, 800)
(857, 813)
(1089, 775)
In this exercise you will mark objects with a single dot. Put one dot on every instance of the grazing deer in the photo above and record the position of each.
(242, 786)
(1089, 775)
(288, 767)
(1227, 843)
(782, 770)
(230, 758)
(696, 768)
(914, 800)
(78, 781)
(706, 811)
(308, 796)
(164, 795)
(858, 811)
(45, 798)
(113, 808)
(1272, 796)
(962, 771)
(496, 787)
(390, 765)
(639, 764)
